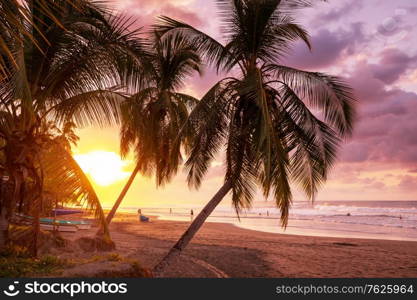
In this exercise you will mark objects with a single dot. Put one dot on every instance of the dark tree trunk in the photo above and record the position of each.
(192, 230)
(4, 228)
(36, 232)
(122, 195)
(21, 200)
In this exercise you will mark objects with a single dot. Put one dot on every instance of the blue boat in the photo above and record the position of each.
(79, 224)
(60, 225)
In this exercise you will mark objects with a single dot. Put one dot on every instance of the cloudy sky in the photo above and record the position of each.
(372, 44)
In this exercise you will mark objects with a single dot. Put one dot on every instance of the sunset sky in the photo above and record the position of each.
(372, 44)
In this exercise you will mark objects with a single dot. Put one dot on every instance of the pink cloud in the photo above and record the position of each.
(408, 183)
(392, 64)
(343, 38)
(147, 11)
(328, 48)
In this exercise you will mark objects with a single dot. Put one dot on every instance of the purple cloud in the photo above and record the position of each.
(408, 183)
(386, 125)
(328, 48)
(392, 64)
(335, 14)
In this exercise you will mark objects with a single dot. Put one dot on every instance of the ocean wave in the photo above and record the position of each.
(393, 214)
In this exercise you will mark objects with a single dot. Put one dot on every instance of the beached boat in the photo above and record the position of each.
(66, 211)
(61, 228)
(83, 225)
(63, 225)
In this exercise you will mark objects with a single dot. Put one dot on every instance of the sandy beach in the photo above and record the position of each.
(224, 250)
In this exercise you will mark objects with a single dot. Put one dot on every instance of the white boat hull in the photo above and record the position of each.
(84, 226)
(66, 228)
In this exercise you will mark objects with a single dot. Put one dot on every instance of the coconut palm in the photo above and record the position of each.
(10, 29)
(277, 124)
(16, 23)
(75, 75)
(153, 117)
(48, 167)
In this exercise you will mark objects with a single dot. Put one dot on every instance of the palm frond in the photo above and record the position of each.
(212, 50)
(154, 116)
(209, 121)
(99, 107)
(327, 93)
(66, 176)
(242, 167)
(313, 145)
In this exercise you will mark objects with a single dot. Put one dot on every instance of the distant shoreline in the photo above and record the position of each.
(329, 219)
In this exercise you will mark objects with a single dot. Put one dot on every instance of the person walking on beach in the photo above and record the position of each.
(192, 214)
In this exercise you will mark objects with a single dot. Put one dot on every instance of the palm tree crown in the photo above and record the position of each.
(153, 117)
(277, 123)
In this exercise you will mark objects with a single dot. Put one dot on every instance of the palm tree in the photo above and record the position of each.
(278, 124)
(50, 168)
(75, 75)
(16, 23)
(153, 117)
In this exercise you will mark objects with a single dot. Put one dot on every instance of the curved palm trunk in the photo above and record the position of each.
(4, 222)
(36, 231)
(4, 218)
(122, 195)
(192, 230)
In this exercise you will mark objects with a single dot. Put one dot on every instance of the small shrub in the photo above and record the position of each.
(12, 250)
(15, 266)
(138, 271)
(114, 257)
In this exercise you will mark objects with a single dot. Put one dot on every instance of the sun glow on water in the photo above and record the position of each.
(105, 168)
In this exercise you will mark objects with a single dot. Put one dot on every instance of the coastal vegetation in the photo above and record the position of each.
(67, 64)
(63, 63)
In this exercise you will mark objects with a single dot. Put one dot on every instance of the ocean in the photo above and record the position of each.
(389, 220)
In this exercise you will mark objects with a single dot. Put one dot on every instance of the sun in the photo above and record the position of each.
(105, 168)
